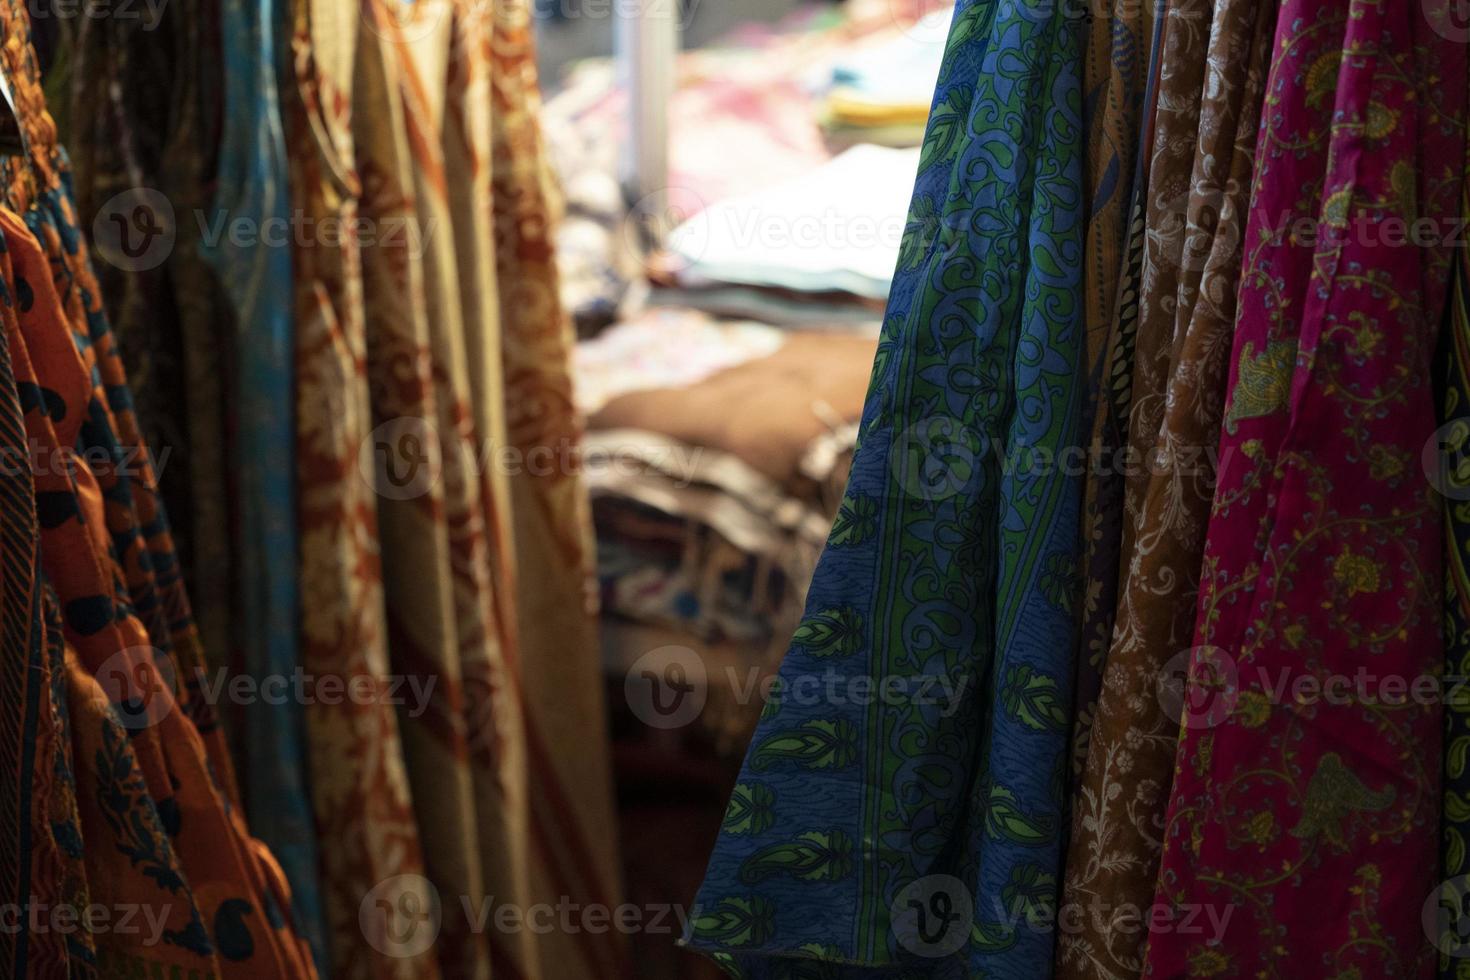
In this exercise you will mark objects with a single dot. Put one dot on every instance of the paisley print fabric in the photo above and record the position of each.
(1312, 815)
(41, 862)
(252, 189)
(1453, 374)
(155, 826)
(360, 791)
(1118, 814)
(916, 832)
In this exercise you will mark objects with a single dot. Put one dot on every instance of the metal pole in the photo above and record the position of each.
(647, 42)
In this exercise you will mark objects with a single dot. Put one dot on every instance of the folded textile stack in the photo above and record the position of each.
(715, 457)
(881, 92)
(835, 228)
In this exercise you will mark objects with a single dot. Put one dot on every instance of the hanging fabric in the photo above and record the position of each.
(1113, 854)
(950, 567)
(558, 661)
(138, 99)
(442, 617)
(1313, 816)
(359, 784)
(1119, 132)
(1454, 486)
(155, 823)
(255, 272)
(38, 806)
(460, 326)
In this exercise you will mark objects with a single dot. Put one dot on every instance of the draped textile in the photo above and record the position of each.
(1111, 369)
(442, 617)
(1310, 811)
(1116, 64)
(156, 826)
(1453, 375)
(574, 824)
(360, 790)
(156, 823)
(38, 809)
(139, 98)
(255, 272)
(1189, 304)
(944, 569)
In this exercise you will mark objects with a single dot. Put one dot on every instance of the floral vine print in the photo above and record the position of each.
(1312, 819)
(1118, 814)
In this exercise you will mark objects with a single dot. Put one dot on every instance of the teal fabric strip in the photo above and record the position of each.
(253, 257)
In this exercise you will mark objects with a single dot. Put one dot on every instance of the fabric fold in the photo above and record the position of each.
(916, 827)
(360, 790)
(1306, 788)
(255, 273)
(1113, 853)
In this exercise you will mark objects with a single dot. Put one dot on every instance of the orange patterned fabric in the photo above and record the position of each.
(131, 772)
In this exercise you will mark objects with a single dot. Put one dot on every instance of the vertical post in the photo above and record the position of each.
(647, 45)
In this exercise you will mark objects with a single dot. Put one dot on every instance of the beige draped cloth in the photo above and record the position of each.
(459, 353)
(360, 790)
(574, 850)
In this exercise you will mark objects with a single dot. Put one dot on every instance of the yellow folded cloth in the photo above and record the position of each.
(853, 108)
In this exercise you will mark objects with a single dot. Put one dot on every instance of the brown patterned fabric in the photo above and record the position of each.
(1120, 133)
(1192, 268)
(573, 847)
(449, 335)
(360, 790)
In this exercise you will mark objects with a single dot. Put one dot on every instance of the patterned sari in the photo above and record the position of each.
(359, 786)
(448, 335)
(257, 277)
(1119, 109)
(144, 815)
(907, 778)
(1192, 271)
(1306, 789)
(1454, 439)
